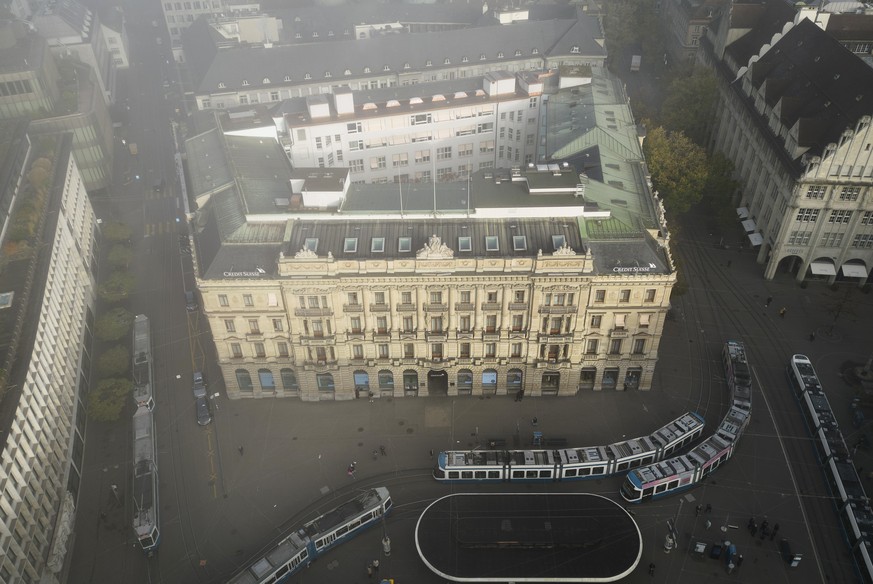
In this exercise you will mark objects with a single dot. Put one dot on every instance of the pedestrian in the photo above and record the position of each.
(351, 470)
(739, 560)
(431, 452)
(782, 312)
(812, 336)
(240, 448)
(709, 508)
(754, 529)
(375, 454)
(369, 570)
(518, 395)
(652, 569)
(774, 532)
(750, 523)
(103, 515)
(768, 301)
(382, 450)
(765, 531)
(698, 509)
(376, 566)
(533, 422)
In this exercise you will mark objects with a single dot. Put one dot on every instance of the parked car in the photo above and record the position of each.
(204, 416)
(199, 386)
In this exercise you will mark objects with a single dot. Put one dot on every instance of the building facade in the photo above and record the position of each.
(28, 74)
(795, 121)
(46, 360)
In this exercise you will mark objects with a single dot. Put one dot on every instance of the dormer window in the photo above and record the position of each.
(492, 243)
(366, 69)
(297, 35)
(429, 63)
(518, 52)
(330, 33)
(346, 32)
(221, 85)
(500, 55)
(558, 241)
(307, 76)
(347, 72)
(315, 35)
(266, 80)
(535, 51)
(482, 57)
(574, 49)
(447, 61)
(465, 60)
(386, 68)
(377, 245)
(327, 74)
(406, 66)
(350, 245)
(245, 82)
(287, 78)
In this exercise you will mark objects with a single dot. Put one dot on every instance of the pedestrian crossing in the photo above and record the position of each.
(152, 195)
(159, 228)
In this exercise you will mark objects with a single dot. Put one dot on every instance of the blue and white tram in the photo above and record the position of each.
(850, 499)
(145, 481)
(143, 390)
(683, 472)
(304, 545)
(567, 463)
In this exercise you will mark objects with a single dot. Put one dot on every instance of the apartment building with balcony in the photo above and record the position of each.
(47, 297)
(794, 116)
(537, 278)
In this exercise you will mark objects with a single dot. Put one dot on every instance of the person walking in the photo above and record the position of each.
(709, 508)
(768, 301)
(812, 336)
(370, 571)
(240, 448)
(376, 567)
(774, 532)
(652, 569)
(782, 312)
(697, 510)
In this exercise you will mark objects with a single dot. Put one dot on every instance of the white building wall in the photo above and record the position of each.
(37, 456)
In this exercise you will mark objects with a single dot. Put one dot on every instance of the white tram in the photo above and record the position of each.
(145, 481)
(304, 545)
(143, 388)
(850, 499)
(683, 472)
(568, 463)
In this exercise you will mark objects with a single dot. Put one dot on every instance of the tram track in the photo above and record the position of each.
(756, 329)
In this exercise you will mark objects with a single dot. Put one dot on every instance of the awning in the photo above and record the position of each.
(742, 212)
(749, 225)
(755, 239)
(823, 269)
(854, 271)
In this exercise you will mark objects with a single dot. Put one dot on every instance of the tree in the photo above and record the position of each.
(720, 189)
(117, 232)
(106, 401)
(113, 362)
(117, 287)
(688, 105)
(113, 325)
(678, 168)
(119, 256)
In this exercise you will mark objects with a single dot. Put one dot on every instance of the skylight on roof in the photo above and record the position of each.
(465, 244)
(492, 243)
(404, 244)
(311, 243)
(519, 242)
(558, 241)
(377, 245)
(350, 245)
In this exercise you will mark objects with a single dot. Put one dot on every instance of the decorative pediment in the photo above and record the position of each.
(435, 249)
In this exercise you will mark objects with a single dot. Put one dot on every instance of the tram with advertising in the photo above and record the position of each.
(302, 546)
(682, 472)
(568, 464)
(848, 495)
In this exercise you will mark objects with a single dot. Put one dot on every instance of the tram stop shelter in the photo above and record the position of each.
(529, 537)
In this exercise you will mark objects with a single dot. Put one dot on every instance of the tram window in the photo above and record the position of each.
(545, 474)
(480, 474)
(623, 465)
(685, 480)
(531, 474)
(598, 470)
(466, 474)
(271, 580)
(493, 474)
(660, 488)
(342, 530)
(584, 472)
(282, 571)
(672, 485)
(570, 472)
(647, 492)
(648, 460)
(453, 474)
(518, 474)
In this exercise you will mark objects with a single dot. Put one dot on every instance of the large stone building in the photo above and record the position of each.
(47, 296)
(538, 278)
(794, 115)
(28, 73)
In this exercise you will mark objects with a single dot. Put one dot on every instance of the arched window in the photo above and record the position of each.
(265, 376)
(465, 379)
(489, 379)
(551, 380)
(244, 380)
(386, 380)
(362, 380)
(514, 377)
(410, 380)
(289, 380)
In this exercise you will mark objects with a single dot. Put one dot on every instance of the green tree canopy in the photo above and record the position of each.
(678, 167)
(120, 256)
(106, 401)
(720, 189)
(687, 108)
(113, 324)
(116, 287)
(117, 232)
(113, 362)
